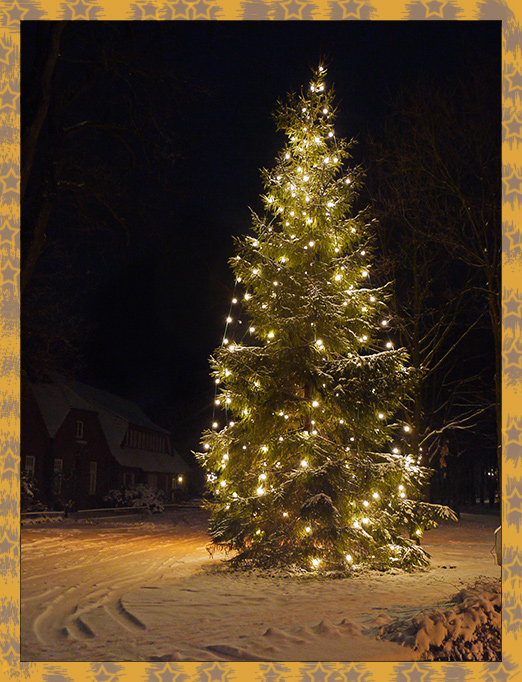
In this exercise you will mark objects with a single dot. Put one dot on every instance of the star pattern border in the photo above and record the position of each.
(12, 13)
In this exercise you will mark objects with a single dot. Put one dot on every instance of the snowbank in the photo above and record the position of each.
(469, 631)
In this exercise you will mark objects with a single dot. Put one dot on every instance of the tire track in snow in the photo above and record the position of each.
(111, 565)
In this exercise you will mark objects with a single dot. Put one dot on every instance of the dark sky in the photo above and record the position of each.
(158, 311)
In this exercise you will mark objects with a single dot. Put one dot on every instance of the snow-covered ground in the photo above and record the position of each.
(146, 589)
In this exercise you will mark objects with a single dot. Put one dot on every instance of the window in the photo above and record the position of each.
(177, 481)
(57, 476)
(128, 480)
(79, 430)
(92, 478)
(30, 464)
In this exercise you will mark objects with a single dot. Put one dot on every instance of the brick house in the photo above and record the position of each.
(80, 442)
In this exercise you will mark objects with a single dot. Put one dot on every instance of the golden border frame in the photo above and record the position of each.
(14, 11)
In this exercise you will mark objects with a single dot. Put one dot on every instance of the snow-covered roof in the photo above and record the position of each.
(152, 461)
(114, 414)
(113, 403)
(55, 401)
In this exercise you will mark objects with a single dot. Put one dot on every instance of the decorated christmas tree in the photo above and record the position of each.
(305, 464)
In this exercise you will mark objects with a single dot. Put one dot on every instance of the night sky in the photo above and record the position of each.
(152, 298)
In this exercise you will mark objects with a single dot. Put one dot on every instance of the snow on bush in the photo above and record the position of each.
(137, 496)
(468, 631)
(29, 494)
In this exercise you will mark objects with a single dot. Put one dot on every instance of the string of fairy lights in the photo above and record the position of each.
(332, 210)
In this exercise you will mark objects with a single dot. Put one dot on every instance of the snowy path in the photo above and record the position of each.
(148, 590)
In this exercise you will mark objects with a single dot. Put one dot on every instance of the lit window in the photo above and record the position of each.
(79, 430)
(128, 480)
(92, 478)
(30, 465)
(57, 476)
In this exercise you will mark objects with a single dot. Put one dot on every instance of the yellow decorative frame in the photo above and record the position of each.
(14, 11)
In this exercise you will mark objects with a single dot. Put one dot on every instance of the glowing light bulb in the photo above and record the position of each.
(215, 425)
(304, 463)
(223, 484)
(234, 300)
(306, 178)
(325, 111)
(395, 451)
(319, 343)
(364, 273)
(316, 562)
(341, 421)
(276, 284)
(247, 296)
(401, 487)
(252, 330)
(270, 335)
(366, 503)
(389, 344)
(321, 68)
(406, 428)
(287, 156)
(315, 403)
(366, 520)
(335, 159)
(349, 558)
(228, 401)
(381, 416)
(206, 446)
(285, 514)
(326, 159)
(375, 496)
(330, 134)
(372, 299)
(262, 477)
(384, 323)
(308, 529)
(311, 243)
(338, 278)
(229, 319)
(260, 490)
